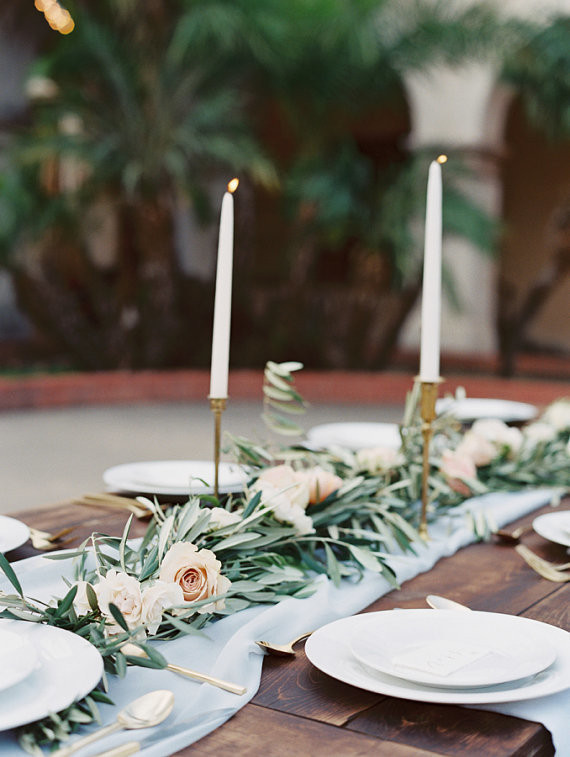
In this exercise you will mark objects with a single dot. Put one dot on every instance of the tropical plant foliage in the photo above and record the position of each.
(158, 103)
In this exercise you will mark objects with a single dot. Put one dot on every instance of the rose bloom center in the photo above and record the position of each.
(125, 602)
(191, 581)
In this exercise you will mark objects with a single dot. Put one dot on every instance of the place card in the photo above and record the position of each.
(440, 658)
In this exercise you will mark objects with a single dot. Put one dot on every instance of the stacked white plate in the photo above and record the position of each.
(43, 669)
(354, 436)
(445, 656)
(176, 477)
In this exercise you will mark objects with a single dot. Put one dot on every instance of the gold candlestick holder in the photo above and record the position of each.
(428, 397)
(217, 406)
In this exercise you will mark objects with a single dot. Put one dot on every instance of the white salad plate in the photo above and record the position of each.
(355, 436)
(177, 477)
(13, 533)
(329, 649)
(460, 650)
(473, 409)
(67, 668)
(554, 527)
(17, 657)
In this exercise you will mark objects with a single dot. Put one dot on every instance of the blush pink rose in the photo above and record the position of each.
(456, 467)
(284, 479)
(478, 448)
(197, 572)
(321, 483)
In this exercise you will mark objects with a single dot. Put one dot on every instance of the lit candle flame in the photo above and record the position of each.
(233, 185)
(441, 159)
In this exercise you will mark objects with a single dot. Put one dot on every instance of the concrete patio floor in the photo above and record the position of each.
(50, 455)
(58, 434)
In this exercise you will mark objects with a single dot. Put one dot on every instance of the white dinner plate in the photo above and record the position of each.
(17, 657)
(554, 527)
(458, 650)
(329, 650)
(13, 533)
(178, 477)
(355, 436)
(473, 409)
(68, 668)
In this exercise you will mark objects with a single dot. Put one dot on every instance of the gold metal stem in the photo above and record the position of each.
(217, 406)
(428, 397)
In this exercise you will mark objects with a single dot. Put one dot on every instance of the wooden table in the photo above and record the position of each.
(300, 711)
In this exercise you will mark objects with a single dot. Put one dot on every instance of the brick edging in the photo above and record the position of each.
(116, 387)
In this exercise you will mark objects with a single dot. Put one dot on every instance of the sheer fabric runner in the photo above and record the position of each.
(227, 649)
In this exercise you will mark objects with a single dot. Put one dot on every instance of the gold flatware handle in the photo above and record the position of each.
(114, 501)
(541, 566)
(134, 650)
(234, 688)
(131, 747)
(100, 733)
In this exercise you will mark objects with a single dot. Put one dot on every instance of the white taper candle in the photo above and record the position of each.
(431, 293)
(223, 298)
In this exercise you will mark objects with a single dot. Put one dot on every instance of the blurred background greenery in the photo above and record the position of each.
(112, 179)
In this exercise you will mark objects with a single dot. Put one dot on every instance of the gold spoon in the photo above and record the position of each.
(443, 603)
(282, 650)
(144, 712)
(135, 651)
(512, 537)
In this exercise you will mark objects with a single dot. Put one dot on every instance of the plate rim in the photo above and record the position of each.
(558, 674)
(22, 532)
(425, 679)
(546, 516)
(131, 485)
(31, 657)
(531, 410)
(76, 688)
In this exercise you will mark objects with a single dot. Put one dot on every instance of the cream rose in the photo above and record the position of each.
(197, 572)
(220, 518)
(286, 492)
(456, 467)
(81, 603)
(478, 448)
(321, 483)
(155, 600)
(558, 414)
(539, 432)
(499, 434)
(286, 511)
(124, 591)
(378, 459)
(285, 479)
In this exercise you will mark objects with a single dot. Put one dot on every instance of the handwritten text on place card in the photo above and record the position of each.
(440, 657)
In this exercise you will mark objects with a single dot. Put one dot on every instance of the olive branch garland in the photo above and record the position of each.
(356, 527)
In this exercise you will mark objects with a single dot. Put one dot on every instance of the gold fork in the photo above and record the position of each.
(45, 540)
(543, 567)
(115, 501)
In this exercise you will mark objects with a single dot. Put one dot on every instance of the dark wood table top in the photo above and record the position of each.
(300, 711)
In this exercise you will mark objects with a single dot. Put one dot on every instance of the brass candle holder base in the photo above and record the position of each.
(428, 396)
(217, 406)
